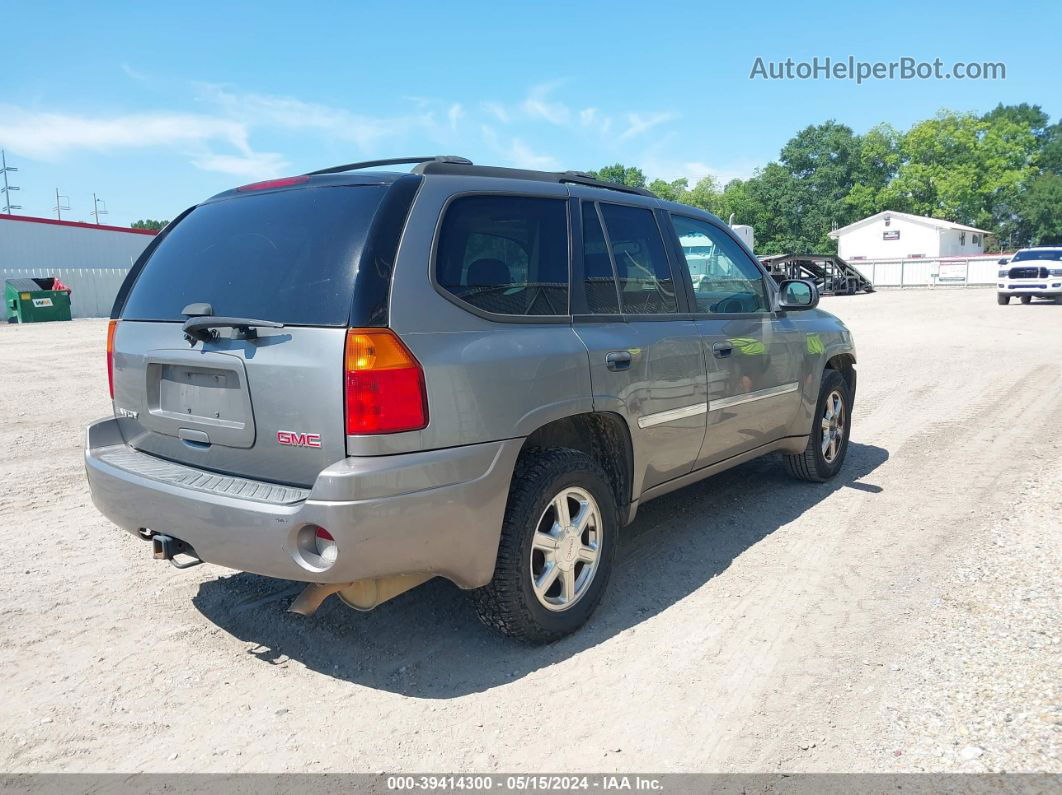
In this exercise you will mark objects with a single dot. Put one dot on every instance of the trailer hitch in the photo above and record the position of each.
(166, 547)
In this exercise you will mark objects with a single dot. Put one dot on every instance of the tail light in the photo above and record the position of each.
(272, 184)
(384, 384)
(112, 326)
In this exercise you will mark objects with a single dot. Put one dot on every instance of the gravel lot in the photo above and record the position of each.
(902, 618)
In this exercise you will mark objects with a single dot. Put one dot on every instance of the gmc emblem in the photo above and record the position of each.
(293, 439)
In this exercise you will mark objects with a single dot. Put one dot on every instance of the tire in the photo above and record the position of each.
(1058, 299)
(815, 464)
(509, 602)
(1026, 299)
(1002, 300)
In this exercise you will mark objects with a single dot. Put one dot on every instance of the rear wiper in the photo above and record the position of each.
(205, 327)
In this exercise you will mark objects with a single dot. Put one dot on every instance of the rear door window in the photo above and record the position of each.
(506, 255)
(288, 256)
(642, 269)
(599, 280)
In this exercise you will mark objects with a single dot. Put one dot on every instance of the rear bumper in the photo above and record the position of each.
(438, 512)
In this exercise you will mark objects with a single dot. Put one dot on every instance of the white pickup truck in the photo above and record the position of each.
(1031, 273)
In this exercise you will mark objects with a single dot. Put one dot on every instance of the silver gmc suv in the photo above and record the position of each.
(362, 379)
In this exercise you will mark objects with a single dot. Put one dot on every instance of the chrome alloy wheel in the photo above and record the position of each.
(832, 426)
(566, 549)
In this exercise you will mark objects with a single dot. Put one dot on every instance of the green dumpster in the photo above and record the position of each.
(36, 300)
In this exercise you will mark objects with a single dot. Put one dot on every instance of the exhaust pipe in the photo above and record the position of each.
(307, 602)
(362, 595)
(366, 594)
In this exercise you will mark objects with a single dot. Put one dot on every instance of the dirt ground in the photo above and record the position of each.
(904, 617)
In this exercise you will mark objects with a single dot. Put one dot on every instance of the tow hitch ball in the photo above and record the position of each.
(166, 547)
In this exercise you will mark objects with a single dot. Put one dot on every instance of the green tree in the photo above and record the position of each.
(1040, 212)
(675, 191)
(621, 174)
(773, 203)
(879, 158)
(1001, 171)
(963, 168)
(706, 195)
(824, 161)
(1024, 115)
(1051, 149)
(147, 223)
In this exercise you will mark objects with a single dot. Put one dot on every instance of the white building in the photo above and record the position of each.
(91, 259)
(890, 235)
(28, 242)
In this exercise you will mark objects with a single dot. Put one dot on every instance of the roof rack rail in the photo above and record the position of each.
(394, 161)
(582, 178)
(442, 166)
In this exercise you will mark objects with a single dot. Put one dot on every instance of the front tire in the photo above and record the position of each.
(557, 548)
(1002, 300)
(828, 442)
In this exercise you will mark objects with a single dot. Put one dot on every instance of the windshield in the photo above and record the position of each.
(288, 256)
(1050, 253)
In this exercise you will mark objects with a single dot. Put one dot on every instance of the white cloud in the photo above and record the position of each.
(498, 111)
(51, 135)
(364, 131)
(516, 153)
(670, 169)
(541, 105)
(218, 137)
(521, 155)
(257, 165)
(638, 123)
(538, 104)
(134, 74)
(454, 115)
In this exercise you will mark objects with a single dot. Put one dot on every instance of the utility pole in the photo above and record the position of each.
(4, 168)
(59, 204)
(96, 211)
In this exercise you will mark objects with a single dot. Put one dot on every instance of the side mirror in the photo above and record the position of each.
(1002, 261)
(798, 294)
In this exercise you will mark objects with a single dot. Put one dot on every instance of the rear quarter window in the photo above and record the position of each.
(506, 255)
(288, 256)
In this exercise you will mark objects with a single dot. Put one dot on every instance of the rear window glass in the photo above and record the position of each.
(506, 254)
(287, 256)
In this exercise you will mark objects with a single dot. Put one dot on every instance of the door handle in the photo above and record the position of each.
(722, 349)
(618, 360)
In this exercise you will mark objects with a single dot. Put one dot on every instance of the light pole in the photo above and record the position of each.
(4, 168)
(61, 203)
(96, 211)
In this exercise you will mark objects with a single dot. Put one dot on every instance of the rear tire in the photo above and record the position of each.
(1026, 299)
(574, 554)
(1002, 300)
(830, 429)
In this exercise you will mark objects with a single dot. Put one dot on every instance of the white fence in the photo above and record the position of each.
(944, 272)
(92, 290)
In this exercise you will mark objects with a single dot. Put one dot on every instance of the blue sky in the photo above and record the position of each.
(156, 107)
